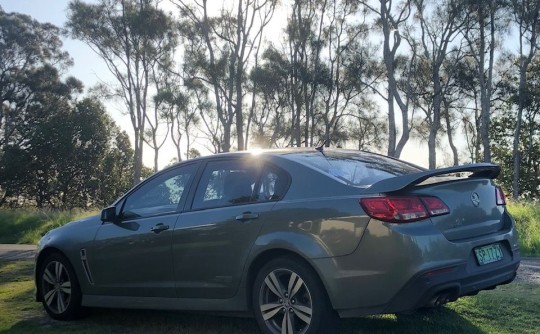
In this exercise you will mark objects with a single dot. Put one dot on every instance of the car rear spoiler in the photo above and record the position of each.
(393, 184)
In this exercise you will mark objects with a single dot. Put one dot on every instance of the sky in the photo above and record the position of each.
(91, 70)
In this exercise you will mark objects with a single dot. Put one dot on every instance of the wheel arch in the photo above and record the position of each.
(43, 254)
(269, 254)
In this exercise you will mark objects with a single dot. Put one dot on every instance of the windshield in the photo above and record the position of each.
(355, 168)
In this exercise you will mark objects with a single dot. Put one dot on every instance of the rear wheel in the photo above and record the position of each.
(288, 298)
(60, 292)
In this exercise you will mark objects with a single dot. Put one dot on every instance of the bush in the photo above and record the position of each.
(527, 216)
(27, 226)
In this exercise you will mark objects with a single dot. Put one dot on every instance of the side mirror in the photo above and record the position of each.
(109, 214)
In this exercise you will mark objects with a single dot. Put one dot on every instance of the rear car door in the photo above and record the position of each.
(211, 242)
(133, 256)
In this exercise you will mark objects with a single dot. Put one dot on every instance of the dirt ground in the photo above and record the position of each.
(529, 271)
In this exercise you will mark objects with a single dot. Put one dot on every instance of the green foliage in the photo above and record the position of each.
(136, 39)
(55, 150)
(502, 134)
(527, 216)
(30, 53)
(73, 156)
(28, 226)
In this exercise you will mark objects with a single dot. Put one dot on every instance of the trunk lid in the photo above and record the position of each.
(471, 200)
(473, 208)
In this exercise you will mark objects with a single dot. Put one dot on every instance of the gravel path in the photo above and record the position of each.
(529, 270)
(17, 252)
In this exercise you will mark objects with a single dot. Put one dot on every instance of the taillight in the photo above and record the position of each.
(435, 206)
(403, 209)
(499, 196)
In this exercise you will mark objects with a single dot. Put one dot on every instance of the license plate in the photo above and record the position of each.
(488, 254)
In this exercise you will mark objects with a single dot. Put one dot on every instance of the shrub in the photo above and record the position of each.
(27, 226)
(527, 216)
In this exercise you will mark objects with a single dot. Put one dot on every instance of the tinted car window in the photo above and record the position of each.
(159, 195)
(358, 169)
(225, 183)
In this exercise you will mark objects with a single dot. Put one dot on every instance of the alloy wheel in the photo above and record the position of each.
(285, 302)
(56, 287)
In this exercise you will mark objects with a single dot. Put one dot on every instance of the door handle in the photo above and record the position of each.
(247, 216)
(159, 228)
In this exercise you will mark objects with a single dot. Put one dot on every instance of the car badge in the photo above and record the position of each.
(475, 199)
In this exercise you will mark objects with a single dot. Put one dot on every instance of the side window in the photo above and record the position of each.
(225, 183)
(274, 183)
(159, 195)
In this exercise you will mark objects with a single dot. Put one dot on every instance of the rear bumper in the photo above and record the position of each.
(399, 269)
(426, 289)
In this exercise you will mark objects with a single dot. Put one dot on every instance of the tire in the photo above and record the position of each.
(288, 298)
(59, 288)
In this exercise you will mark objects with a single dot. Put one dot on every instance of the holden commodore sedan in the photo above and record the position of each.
(296, 237)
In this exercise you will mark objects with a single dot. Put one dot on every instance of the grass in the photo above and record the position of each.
(27, 226)
(527, 216)
(512, 308)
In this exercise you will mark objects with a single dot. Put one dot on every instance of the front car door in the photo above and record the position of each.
(132, 257)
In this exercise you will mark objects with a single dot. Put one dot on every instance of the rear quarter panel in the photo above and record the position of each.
(318, 217)
(315, 228)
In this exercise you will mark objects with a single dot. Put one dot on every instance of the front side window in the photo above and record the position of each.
(160, 195)
(225, 183)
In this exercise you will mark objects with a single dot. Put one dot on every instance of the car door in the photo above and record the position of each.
(211, 242)
(132, 257)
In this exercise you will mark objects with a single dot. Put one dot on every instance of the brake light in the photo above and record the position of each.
(403, 209)
(499, 196)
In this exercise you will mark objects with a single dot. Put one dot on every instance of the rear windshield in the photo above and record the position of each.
(355, 168)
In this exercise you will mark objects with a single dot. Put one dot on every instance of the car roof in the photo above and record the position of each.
(280, 152)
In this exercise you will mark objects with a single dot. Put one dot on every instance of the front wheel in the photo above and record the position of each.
(288, 298)
(59, 288)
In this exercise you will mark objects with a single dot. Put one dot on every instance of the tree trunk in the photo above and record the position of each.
(451, 136)
(524, 26)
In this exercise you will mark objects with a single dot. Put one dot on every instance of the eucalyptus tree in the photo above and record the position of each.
(72, 155)
(154, 136)
(346, 63)
(133, 38)
(439, 24)
(222, 46)
(485, 24)
(303, 45)
(366, 130)
(526, 16)
(183, 105)
(32, 151)
(502, 134)
(29, 50)
(188, 116)
(467, 95)
(116, 169)
(392, 19)
(271, 84)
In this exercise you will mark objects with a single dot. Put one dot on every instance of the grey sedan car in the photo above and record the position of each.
(296, 237)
